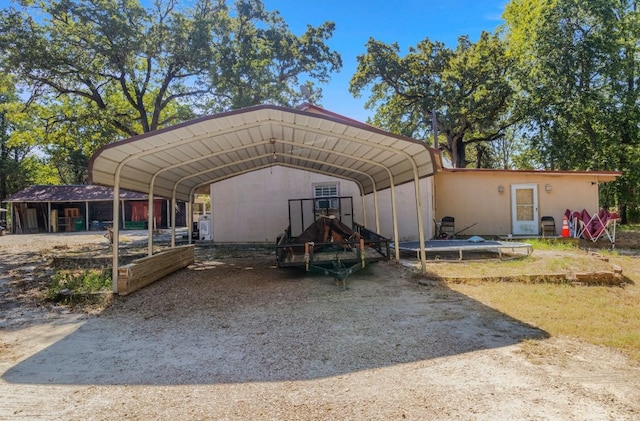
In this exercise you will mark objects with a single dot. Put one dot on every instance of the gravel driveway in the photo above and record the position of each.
(237, 338)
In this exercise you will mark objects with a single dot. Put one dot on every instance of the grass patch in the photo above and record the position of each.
(635, 228)
(600, 315)
(539, 263)
(70, 286)
(554, 244)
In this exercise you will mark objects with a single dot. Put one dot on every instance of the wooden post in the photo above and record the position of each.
(306, 256)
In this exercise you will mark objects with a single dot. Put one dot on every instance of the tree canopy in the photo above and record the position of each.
(16, 142)
(577, 73)
(557, 86)
(140, 69)
(467, 89)
(97, 71)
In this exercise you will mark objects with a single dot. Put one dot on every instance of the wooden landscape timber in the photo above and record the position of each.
(144, 271)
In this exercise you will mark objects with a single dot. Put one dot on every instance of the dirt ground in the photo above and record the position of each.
(233, 337)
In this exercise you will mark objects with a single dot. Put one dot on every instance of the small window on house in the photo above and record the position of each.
(326, 196)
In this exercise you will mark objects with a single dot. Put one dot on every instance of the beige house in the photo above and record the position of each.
(253, 207)
(255, 160)
(502, 202)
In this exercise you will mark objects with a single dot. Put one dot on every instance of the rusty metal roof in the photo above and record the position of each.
(184, 157)
(70, 193)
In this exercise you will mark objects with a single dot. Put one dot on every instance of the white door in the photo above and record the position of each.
(204, 228)
(524, 209)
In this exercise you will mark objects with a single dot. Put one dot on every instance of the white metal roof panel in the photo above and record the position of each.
(224, 145)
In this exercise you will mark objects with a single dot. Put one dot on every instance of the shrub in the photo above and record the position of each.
(71, 285)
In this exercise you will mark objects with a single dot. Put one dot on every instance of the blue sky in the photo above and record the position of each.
(404, 21)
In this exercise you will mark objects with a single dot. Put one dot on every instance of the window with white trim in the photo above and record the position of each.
(326, 195)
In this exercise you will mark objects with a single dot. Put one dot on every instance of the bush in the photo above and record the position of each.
(71, 285)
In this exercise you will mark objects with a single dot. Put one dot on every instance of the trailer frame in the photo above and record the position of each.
(337, 259)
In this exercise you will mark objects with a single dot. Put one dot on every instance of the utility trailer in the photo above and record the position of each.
(332, 243)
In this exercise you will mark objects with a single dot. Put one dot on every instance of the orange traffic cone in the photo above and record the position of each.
(565, 227)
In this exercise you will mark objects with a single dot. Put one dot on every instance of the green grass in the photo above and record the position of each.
(628, 227)
(553, 244)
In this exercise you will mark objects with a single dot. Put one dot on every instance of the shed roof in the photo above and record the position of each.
(221, 146)
(72, 193)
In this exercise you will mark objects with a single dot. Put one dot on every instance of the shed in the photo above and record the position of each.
(68, 208)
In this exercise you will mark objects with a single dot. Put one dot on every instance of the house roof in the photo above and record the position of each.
(600, 176)
(184, 157)
(73, 193)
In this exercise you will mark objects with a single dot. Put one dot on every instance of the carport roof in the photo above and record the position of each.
(221, 146)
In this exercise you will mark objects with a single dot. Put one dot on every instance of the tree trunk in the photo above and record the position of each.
(458, 153)
(623, 213)
(4, 156)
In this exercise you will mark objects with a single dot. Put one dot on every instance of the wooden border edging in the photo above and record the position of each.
(144, 271)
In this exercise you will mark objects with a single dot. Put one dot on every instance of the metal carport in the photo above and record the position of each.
(174, 162)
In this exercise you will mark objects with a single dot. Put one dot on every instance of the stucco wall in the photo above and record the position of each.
(253, 207)
(406, 210)
(473, 197)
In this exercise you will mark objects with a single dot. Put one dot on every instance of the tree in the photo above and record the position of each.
(139, 69)
(467, 88)
(568, 64)
(89, 49)
(15, 145)
(69, 131)
(577, 74)
(262, 61)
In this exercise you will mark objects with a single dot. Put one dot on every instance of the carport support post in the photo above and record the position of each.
(375, 206)
(115, 231)
(168, 215)
(150, 214)
(190, 218)
(423, 256)
(395, 220)
(173, 220)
